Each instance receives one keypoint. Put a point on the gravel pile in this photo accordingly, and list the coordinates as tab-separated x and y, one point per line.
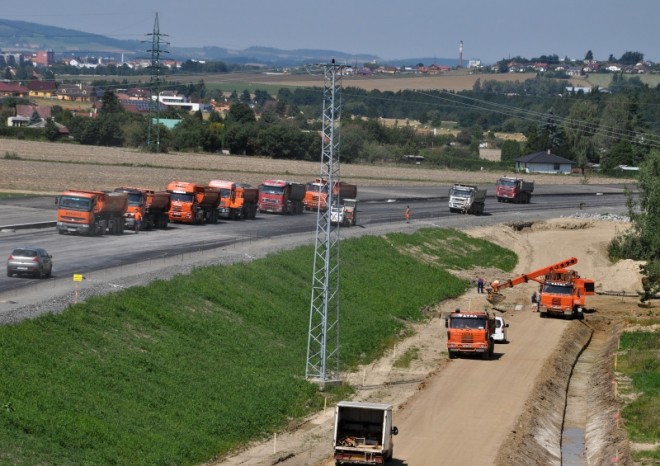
609	217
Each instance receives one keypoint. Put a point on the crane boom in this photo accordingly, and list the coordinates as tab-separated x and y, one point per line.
495	286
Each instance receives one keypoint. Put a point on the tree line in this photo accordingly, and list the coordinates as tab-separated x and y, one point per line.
612	127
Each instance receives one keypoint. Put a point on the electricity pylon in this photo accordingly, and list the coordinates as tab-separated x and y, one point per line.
153	134
323	339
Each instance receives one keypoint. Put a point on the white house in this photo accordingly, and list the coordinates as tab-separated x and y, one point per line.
544	162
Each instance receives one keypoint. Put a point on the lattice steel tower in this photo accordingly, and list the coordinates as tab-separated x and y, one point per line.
323	339
153	134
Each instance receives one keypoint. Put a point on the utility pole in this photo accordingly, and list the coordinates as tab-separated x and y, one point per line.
323	338
153	134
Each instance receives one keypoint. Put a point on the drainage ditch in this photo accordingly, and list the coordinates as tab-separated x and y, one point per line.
573	445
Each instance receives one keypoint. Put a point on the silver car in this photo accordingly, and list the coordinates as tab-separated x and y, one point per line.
30	260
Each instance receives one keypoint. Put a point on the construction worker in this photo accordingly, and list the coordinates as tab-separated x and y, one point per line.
407	214
480	285
137	221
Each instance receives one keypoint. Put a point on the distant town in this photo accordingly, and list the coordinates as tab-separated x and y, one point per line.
40	82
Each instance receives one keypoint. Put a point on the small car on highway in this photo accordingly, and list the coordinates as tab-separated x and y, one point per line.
500	330
30	260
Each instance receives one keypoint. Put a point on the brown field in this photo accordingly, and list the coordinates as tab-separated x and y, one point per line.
452	81
49	168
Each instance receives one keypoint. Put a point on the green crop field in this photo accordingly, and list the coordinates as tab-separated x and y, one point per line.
639	362
604	80
180	371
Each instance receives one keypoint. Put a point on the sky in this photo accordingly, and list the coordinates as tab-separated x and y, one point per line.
491	30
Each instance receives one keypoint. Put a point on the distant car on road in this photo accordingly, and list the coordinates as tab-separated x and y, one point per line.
500	330
30	260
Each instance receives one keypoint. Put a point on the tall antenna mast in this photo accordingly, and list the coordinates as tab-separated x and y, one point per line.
323	339
153	134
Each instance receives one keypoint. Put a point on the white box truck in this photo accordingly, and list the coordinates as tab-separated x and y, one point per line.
363	433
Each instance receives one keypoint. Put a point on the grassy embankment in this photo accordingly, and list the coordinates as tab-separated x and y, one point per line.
182	370
639	362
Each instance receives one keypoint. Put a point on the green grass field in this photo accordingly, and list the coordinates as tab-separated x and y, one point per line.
603	80
180	371
639	361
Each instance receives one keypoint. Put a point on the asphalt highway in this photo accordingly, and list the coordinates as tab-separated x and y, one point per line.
30	221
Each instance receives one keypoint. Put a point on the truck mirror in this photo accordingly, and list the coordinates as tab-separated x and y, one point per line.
57	200
506	325
446	323
395	430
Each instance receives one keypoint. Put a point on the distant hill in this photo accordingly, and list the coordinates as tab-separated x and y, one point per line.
21	36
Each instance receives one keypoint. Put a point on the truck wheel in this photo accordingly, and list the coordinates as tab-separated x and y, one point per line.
452	355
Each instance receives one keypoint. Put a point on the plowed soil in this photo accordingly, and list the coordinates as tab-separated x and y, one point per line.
47	168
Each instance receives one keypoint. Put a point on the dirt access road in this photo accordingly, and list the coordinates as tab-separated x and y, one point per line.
463	411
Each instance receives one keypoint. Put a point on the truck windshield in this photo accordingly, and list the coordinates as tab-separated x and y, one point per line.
134	199
467	322
461	192
225	193
317	187
181	197
557	289
506	183
271	189
82	204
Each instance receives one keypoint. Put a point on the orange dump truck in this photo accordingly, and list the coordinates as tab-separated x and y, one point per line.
470	332
237	200
193	203
281	197
316	193
91	212
153	205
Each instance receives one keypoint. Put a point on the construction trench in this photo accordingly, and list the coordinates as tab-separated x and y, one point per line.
574	418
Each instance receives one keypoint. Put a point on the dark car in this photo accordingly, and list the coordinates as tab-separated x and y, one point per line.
30	260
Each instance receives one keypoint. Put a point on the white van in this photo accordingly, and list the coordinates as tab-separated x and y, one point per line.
500	330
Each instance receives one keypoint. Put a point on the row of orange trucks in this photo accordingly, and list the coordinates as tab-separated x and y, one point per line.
562	293
100	212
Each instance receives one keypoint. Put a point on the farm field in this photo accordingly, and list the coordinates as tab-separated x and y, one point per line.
48	168
454	81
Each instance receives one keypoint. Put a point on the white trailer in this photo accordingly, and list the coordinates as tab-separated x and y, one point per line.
363	433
